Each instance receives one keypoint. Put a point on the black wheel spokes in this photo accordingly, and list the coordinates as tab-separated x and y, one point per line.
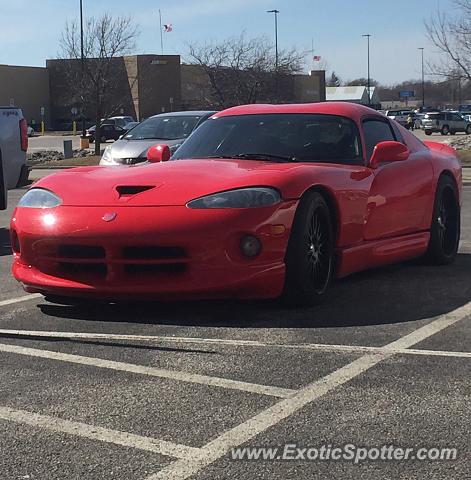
318	260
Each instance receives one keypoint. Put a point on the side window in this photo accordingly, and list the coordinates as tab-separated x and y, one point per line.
376	131
397	133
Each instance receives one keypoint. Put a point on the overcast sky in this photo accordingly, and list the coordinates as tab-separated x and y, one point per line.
30	29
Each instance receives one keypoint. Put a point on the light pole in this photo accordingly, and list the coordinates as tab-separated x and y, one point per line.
423	77
367	35
82	63
275	12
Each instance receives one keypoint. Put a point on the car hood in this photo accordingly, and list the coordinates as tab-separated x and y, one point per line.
137	148
172	183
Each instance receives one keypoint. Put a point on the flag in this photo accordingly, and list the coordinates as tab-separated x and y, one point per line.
316	58
168	28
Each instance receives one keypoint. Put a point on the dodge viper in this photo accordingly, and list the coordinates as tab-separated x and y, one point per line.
261	201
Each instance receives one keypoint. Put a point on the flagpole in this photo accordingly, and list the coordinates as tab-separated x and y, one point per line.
161	33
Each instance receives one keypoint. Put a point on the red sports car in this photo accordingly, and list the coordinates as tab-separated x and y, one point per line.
260	201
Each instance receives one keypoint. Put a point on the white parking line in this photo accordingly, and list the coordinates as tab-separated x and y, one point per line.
219	447
326	347
150	371
93	432
25	298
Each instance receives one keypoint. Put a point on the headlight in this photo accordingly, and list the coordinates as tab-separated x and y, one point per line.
241	198
107	156
39	198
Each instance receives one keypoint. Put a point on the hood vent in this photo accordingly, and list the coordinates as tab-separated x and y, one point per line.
131	190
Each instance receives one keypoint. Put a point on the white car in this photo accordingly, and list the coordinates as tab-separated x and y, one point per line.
399	115
13	147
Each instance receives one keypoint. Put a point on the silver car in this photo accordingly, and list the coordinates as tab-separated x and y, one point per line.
169	128
445	123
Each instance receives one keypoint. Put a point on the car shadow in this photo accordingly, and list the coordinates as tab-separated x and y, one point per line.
395	294
58	339
5	246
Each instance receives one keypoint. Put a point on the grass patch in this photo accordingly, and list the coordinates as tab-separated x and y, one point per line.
71	162
465	157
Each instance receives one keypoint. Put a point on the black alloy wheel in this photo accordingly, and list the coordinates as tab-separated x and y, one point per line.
445	228
310	255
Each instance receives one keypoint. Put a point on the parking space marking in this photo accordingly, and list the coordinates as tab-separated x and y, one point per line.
220	446
151	371
93	432
25	298
327	347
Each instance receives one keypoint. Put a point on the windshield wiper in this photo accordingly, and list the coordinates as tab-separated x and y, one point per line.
257	156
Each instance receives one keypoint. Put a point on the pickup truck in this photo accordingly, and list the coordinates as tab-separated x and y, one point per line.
13	147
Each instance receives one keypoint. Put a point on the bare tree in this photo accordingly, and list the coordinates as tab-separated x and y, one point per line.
334	80
239	70
451	34
105	39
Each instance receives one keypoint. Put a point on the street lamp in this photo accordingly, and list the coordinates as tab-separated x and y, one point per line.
82	62
275	12
423	77
367	35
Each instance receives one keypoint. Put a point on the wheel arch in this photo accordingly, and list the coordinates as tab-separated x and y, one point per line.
329	198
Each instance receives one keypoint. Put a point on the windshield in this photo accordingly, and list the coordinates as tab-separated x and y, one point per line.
164	128
278	137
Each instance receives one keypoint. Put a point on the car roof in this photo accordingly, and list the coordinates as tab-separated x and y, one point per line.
191	113
343	109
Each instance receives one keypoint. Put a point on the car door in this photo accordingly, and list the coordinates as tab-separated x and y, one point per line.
459	125
400	191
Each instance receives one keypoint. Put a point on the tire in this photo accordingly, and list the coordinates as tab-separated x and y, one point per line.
103	139
468	130
3	187
310	254
428	132
91	140
446	224
445	130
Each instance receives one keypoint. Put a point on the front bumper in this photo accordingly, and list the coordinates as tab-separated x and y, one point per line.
150	252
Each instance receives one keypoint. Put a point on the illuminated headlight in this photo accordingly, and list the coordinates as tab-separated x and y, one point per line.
241	198
39	198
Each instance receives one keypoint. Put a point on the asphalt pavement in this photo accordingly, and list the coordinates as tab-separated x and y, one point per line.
166	390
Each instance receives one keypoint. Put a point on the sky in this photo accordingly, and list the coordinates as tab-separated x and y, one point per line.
30	29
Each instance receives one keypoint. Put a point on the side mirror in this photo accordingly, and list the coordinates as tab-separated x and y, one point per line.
386	152
158	153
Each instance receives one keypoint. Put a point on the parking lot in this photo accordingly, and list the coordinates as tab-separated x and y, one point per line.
165	391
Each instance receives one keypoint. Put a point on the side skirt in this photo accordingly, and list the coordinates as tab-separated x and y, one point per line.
381	252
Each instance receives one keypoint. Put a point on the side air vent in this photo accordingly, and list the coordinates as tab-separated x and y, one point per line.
130	190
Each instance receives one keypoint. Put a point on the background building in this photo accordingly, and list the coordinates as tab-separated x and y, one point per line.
139	86
28	88
353	94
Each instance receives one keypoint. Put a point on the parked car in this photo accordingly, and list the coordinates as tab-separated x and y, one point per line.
108	131
119	121
445	123
399	115
13	147
169	128
260	201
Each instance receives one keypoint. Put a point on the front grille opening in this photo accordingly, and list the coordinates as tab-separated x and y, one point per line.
80	251
153	253
149	269
98	269
129	190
